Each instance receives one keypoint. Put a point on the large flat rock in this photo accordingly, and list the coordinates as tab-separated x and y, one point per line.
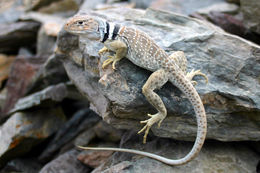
232	64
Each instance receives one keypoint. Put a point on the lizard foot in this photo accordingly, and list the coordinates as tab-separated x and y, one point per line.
103	50
193	73
111	59
159	117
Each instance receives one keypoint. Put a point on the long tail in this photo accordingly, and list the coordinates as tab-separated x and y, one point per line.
187	88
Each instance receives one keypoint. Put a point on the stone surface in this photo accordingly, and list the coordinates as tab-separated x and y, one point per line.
66	163
94	158
28	165
84	138
10	10
15	35
23	130
178	6
54	93
36	4
51	73
232	64
45	43
82	120
105	132
63	6
230	23
222	7
251	13
5	67
23	68
215	157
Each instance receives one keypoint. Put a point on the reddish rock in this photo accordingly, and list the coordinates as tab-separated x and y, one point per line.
94	158
22	72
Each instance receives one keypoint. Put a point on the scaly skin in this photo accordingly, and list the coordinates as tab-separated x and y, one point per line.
141	50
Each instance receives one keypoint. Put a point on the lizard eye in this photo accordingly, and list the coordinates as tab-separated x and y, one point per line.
80	22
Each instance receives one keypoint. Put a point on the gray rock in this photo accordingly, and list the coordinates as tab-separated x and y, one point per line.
23	130
28	165
10	10
45	43
214	157
178	6
82	120
15	35
231	99
91	4
251	13
84	138
51	73
106	132
65	163
222	7
54	93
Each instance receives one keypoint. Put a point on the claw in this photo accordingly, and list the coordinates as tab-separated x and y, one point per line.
159	117
193	73
108	61
103	50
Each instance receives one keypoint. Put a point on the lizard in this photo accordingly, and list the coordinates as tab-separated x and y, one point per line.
141	50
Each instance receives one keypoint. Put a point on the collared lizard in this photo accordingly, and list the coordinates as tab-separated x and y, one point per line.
141	50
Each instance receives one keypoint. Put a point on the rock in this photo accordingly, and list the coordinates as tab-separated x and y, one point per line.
23	130
120	167
94	158
91	4
222	7
230	62
214	156
28	165
83	119
51	73
84	138
36	4
141	3
233	25
251	13
66	163
54	93
115	5
23	68
64	6
234	1
45	43
50	23
5	66
3	94
15	35
177	6
10	11
105	132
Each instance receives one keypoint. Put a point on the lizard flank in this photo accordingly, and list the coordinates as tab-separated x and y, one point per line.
141	50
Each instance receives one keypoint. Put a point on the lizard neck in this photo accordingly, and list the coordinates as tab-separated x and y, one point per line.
108	30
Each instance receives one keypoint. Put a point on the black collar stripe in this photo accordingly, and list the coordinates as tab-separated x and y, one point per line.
106	33
115	32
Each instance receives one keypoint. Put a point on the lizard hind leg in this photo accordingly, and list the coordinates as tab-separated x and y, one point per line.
180	59
155	81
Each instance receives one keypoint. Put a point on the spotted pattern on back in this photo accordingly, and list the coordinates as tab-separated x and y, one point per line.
143	51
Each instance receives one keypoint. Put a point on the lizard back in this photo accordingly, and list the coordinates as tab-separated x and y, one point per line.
142	50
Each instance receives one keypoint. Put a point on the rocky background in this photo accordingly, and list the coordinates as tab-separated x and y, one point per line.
55	95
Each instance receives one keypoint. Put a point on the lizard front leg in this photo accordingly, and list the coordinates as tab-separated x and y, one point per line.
103	50
155	81
180	59
120	48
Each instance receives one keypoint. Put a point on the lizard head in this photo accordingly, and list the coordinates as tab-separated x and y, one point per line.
82	25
